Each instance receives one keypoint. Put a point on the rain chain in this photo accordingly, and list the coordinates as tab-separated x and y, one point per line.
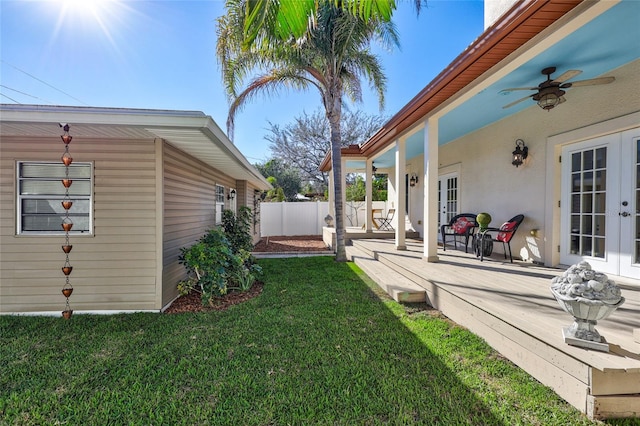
67	223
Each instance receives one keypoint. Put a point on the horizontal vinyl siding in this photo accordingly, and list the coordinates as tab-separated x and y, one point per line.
114	269
189	200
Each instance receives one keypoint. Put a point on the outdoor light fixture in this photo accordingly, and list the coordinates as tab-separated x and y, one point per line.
546	101
520	154
232	195
414	180
373	169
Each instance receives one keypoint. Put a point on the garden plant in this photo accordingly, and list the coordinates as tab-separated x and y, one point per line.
221	260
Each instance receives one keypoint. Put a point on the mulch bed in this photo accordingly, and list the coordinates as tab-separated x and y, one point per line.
299	243
193	303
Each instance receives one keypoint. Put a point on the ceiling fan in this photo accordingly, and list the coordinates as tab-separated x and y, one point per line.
550	92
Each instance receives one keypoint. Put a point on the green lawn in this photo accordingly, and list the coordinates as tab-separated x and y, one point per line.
320	345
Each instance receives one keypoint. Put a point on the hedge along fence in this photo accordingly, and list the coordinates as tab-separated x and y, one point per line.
307	218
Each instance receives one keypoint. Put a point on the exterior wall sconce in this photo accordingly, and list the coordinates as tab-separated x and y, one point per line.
373	169
414	180
520	154
232	195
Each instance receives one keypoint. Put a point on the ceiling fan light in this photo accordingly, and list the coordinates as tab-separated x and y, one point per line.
548	101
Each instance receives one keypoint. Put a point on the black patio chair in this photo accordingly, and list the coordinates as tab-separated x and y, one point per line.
462	225
385	222
506	232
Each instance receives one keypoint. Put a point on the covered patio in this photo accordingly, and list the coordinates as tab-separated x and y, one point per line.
511	307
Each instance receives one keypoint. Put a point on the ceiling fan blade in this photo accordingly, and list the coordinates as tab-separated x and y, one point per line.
590	82
511	89
566	76
517	102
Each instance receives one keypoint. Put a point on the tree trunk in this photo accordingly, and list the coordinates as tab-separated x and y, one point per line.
334	112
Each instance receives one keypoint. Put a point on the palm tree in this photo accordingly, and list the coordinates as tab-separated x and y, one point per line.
332	57
293	18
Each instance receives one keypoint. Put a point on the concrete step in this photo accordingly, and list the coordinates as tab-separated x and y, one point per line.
398	287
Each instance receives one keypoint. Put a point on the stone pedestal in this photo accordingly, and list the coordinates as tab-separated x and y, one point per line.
588	296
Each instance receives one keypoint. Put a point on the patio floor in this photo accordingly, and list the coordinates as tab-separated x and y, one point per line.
512	308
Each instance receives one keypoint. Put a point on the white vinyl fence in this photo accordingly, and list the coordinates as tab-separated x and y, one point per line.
307	218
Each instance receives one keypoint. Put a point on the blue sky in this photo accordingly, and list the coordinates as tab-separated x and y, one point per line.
161	55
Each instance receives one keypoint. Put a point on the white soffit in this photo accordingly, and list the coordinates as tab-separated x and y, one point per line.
191	132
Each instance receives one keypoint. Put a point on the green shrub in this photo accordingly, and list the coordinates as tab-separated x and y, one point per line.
221	260
237	229
213	262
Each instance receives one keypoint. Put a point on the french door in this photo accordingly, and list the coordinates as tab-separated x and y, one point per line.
600	222
448	195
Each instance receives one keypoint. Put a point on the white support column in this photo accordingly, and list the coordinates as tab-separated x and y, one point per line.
430	180
368	195
401	189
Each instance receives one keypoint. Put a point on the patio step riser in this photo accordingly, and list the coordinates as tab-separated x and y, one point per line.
397	287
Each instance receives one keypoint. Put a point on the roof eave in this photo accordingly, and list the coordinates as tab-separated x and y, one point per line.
139	118
502	39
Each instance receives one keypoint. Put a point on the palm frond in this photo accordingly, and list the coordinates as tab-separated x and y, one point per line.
267	85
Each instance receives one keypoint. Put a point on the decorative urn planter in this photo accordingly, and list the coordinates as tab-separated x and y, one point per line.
483	219
589	296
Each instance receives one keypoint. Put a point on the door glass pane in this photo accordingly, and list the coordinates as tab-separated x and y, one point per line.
575	162
601	158
587	203
586	246
599	223
587	181
575	245
587	224
599	205
587	160
598	247
575	223
575	182
601	180
588	187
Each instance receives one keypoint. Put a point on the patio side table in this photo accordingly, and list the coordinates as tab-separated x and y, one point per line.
483	242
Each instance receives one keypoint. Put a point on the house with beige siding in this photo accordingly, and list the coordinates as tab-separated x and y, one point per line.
145	184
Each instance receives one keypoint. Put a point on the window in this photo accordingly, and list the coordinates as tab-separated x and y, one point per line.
219	203
40	194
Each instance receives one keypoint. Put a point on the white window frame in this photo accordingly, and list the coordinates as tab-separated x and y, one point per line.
219	202
54	197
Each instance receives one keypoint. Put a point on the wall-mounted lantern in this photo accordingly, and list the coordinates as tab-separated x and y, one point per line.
232	195
414	180
520	154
